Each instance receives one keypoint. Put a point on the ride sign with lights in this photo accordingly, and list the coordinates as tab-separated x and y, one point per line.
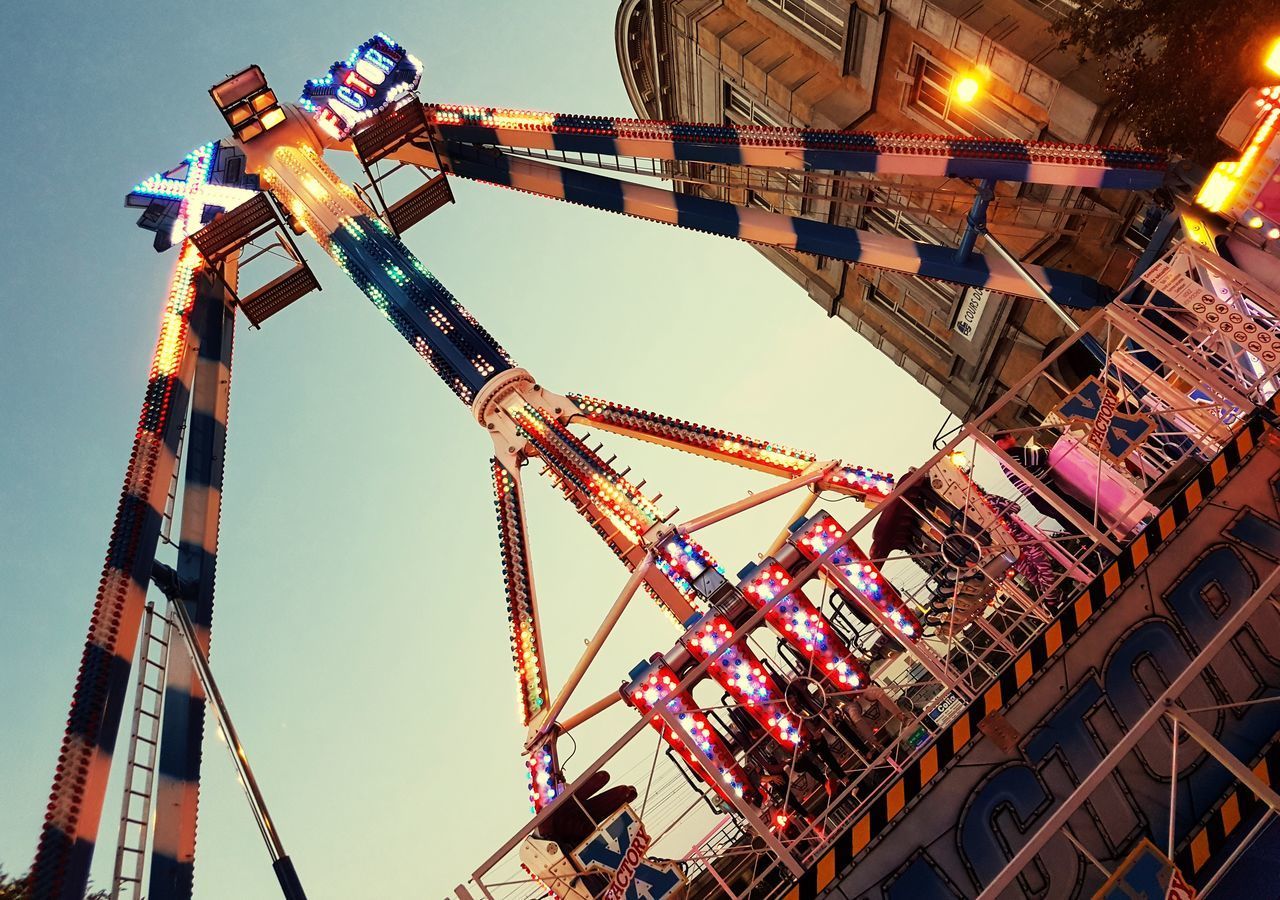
617	849
377	75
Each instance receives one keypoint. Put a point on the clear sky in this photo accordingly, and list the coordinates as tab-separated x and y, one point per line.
360	635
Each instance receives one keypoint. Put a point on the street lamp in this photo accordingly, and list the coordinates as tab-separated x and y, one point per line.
965	88
1273	57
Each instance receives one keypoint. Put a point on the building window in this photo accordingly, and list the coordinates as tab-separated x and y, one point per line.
931	87
824	20
899	309
856	47
781	192
776	191
930	95
740	108
1059	9
880	216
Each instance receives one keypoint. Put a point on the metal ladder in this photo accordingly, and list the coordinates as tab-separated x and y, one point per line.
171	498
144	748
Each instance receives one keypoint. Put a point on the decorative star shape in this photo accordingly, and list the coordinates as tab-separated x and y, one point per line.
181	201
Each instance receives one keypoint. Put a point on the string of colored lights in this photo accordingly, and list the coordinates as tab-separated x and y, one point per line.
817	535
429	317
626	507
682	560
601	525
859	482
374	75
657	684
802	626
716	443
694	438
482	347
803	148
744	677
194	196
517	579
544	777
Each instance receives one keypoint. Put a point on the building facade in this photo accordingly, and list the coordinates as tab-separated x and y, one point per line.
889	65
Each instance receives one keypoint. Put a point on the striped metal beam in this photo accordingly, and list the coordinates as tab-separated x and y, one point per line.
1221	827
757	226
67	839
182	732
803	148
430	318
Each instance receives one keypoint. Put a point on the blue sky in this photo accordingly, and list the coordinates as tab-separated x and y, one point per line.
359	629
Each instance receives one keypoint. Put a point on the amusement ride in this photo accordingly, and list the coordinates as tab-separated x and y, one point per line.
833	661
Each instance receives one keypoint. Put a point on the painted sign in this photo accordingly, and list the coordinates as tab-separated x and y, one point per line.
377	75
972	305
1110	433
958	829
1146	873
617	850
1215	314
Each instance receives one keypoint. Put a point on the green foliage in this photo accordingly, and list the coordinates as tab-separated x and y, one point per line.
1176	67
16	889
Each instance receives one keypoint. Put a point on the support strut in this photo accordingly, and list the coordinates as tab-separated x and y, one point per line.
167	580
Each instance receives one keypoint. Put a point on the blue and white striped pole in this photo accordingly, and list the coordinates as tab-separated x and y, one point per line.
880	153
758	226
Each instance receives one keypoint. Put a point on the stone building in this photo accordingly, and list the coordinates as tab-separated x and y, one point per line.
889	65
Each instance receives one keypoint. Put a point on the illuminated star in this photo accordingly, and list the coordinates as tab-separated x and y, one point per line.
184	199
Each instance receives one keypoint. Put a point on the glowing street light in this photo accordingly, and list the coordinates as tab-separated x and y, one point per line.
1273	57
965	88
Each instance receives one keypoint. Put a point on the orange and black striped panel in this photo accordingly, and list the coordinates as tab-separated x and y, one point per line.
1239	805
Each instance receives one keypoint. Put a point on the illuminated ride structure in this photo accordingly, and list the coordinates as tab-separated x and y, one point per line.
802	693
